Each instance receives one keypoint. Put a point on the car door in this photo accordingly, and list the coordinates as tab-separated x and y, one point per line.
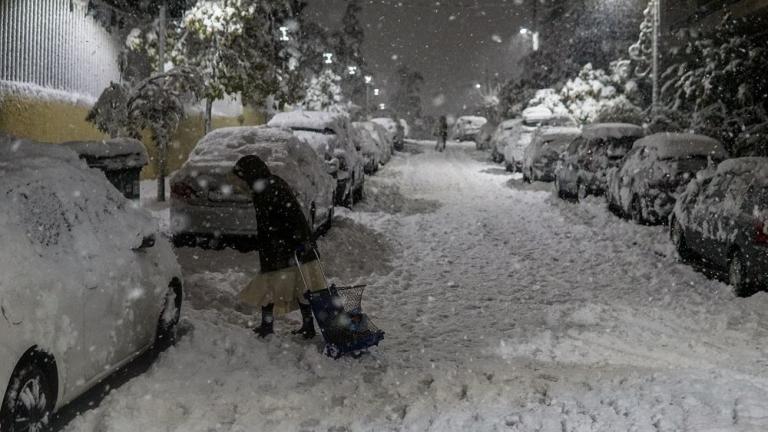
113	283
709	217
49	310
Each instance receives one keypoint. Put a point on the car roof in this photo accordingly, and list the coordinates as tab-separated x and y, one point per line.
676	145
612	130
226	145
312	120
756	166
558	133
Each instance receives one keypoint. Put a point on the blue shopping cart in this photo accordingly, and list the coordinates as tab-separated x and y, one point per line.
338	311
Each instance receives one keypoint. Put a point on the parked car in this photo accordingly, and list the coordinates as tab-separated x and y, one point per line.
656	171
722	219
546	151
589	158
121	160
466	128
505	133
518	135
329	135
396	134
209	204
87	283
483	137
365	142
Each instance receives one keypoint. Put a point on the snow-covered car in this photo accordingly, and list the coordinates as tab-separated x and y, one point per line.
209	203
373	144
121	160
466	128
381	138
546	151
406	128
590	158
656	171
504	133
722	219
396	133
329	136
87	283
483	137
518	134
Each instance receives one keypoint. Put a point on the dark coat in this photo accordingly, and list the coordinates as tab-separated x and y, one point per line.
282	227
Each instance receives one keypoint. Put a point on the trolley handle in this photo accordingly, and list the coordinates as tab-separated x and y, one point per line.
301	272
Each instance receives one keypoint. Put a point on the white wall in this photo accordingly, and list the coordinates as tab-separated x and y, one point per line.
53	44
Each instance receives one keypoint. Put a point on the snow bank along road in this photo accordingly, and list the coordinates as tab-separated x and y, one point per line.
505	310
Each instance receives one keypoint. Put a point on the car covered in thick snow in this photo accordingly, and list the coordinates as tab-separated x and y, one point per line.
209	203
722	219
330	137
590	158
546	150
466	128
87	283
484	136
395	132
366	141
656	171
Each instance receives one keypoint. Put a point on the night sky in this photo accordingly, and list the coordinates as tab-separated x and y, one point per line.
451	42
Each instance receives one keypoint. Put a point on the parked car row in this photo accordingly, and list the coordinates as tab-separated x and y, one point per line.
322	155
716	207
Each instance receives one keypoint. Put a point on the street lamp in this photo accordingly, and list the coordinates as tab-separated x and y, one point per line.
284	34
368	79
382	106
352	70
328	58
534	37
376	92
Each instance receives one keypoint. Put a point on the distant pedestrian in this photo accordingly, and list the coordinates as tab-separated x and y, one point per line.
441	132
283	234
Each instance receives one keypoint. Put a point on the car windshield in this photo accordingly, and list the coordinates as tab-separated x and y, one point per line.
690	164
619	147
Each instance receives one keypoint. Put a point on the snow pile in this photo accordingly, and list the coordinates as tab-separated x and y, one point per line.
680	145
36	92
113	154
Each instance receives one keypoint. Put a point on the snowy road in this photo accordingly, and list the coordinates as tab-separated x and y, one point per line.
505	309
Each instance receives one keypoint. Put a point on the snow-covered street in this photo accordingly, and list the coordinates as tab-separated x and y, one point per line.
505	309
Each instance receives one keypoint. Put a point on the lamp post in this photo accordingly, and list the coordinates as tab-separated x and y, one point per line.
368	82
655	63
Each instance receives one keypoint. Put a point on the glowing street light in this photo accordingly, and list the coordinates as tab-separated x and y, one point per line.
382	106
524	31
376	92
478	86
352	70
328	58
284	34
368	79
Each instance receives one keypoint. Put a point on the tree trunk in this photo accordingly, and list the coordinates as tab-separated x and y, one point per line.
162	165
207	120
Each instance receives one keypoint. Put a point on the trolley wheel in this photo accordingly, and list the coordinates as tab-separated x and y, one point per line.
358	354
332	351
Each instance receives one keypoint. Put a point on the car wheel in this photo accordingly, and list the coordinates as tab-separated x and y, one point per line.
28	402
636	211
737	276
169	317
677	235
581	192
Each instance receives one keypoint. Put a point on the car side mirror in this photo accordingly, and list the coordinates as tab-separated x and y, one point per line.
146	243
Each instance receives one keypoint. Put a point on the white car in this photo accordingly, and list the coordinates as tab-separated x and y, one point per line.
376	141
86	282
209	203
467	127
395	132
329	135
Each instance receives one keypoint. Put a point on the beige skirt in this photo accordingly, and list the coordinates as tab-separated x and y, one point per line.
284	288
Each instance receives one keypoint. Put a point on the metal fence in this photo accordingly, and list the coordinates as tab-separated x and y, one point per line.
54	44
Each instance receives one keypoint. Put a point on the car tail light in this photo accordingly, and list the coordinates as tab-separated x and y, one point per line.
761	232
182	190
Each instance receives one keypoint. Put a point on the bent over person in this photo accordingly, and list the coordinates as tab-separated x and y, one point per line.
283	236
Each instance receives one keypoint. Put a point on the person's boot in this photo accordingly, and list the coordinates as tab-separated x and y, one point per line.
307	329
267	326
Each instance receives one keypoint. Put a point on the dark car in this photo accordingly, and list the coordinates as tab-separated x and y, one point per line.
590	158
546	151
722	220
656	171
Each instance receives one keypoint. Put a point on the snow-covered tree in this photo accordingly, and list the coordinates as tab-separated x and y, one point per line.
406	98
324	92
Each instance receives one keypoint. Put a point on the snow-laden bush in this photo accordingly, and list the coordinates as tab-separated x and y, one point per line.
619	110
549	99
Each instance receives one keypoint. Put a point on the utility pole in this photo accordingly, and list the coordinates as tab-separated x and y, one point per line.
162	146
